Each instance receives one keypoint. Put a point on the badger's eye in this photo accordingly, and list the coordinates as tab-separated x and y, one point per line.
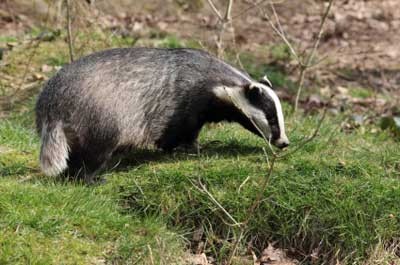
253	94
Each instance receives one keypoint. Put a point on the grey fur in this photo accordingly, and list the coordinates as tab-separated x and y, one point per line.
134	97
54	150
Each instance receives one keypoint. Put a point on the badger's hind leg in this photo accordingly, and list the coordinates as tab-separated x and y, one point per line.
85	163
89	155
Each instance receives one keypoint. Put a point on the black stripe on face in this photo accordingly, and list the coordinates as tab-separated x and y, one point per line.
260	99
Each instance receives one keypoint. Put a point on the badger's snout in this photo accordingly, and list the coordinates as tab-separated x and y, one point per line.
282	143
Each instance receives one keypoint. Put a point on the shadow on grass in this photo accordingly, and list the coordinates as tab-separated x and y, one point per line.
128	160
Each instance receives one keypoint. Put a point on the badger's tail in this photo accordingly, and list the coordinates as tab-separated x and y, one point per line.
54	150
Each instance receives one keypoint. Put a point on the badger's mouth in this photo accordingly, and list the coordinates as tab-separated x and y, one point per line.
281	143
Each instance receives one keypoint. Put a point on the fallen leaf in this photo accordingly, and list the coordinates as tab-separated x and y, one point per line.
342	90
197	259
358	119
39	77
274	256
46	68
11	44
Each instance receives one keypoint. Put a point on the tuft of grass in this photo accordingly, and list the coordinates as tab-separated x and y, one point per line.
353	175
279	52
343	176
5	39
359	92
172	42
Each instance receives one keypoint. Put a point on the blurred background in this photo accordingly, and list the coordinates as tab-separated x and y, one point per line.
356	58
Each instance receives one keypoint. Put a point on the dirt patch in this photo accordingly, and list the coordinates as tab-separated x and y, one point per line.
360	41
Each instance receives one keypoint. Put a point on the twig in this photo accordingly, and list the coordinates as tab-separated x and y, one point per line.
254	5
151	254
320	32
203	189
235	246
69	31
243	183
252	208
228	11
281	33
309	139
214	8
305	66
223	21
277	29
275	157
34	44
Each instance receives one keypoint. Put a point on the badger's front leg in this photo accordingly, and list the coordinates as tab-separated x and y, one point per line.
183	136
191	148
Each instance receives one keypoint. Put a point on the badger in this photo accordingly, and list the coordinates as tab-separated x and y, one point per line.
145	98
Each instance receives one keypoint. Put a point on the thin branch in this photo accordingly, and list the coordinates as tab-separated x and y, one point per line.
214	8
309	139
203	189
151	254
300	83
69	31
222	22
279	31
282	34
311	55
260	194
34	44
250	212
320	32
275	157
228	11
235	246
254	5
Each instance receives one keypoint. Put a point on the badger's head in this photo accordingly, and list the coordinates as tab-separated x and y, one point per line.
260	104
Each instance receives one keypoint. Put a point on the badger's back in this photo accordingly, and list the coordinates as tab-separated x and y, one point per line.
137	90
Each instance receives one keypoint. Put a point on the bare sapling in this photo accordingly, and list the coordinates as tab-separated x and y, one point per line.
224	23
304	62
69	31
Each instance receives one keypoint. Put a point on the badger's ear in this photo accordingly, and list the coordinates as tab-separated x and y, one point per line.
264	80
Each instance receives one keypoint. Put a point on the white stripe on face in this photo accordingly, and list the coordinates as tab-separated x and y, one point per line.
278	108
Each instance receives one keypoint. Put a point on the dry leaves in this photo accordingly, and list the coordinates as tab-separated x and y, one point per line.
197	259
273	256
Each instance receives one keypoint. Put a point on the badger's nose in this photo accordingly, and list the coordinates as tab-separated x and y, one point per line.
282	143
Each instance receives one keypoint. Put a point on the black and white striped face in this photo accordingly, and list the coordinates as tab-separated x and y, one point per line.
267	112
261	104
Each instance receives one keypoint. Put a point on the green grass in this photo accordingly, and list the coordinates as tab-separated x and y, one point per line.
340	192
358	92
